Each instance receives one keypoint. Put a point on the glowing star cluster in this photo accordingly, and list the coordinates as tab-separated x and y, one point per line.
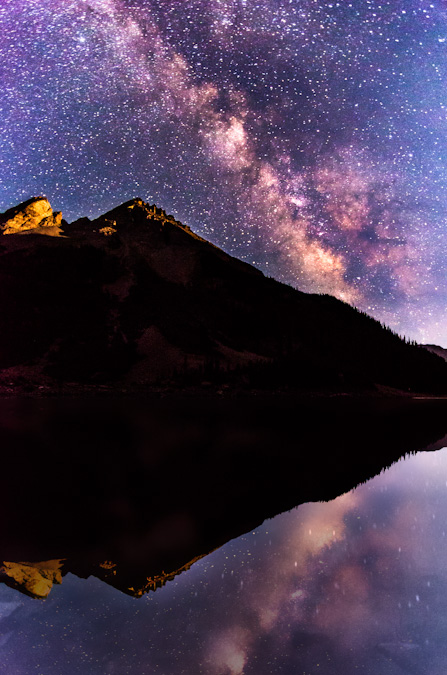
308	138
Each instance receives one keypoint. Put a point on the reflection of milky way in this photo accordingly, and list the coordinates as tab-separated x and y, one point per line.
355	585
309	138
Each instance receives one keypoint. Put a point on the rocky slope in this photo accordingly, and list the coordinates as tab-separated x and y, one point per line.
135	300
34	215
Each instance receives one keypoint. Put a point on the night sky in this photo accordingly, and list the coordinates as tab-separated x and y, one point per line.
356	585
306	137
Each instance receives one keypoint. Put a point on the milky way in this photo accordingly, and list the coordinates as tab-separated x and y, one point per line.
308	138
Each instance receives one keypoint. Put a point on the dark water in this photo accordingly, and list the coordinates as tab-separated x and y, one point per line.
355	585
154	483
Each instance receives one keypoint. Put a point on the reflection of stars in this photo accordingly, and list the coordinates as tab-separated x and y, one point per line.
307	138
276	600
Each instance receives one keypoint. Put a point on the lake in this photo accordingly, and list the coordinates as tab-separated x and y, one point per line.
356	584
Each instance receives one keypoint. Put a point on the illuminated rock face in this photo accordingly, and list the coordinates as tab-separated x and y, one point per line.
35	579
34	214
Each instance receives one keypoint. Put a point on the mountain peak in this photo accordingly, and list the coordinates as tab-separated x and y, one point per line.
141	211
35	215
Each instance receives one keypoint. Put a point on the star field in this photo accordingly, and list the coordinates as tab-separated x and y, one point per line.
308	138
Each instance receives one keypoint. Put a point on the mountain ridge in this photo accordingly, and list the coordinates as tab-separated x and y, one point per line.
134	299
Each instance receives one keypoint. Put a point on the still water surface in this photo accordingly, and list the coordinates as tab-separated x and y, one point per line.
355	585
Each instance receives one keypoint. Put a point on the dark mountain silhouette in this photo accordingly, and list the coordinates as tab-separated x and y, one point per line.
133	490
436	349
134	299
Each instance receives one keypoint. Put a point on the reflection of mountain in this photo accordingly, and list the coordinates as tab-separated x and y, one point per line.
135	298
36	579
152	484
